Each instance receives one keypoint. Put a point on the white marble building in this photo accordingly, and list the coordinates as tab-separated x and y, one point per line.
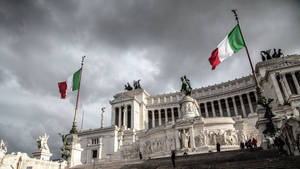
225	113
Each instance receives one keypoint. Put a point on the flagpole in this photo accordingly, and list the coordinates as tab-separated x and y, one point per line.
258	89
74	126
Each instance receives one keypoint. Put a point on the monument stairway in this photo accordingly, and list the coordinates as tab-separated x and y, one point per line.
259	159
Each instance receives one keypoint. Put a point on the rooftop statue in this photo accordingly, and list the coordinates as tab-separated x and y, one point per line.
42	142
136	84
186	86
266	55
128	87
3	146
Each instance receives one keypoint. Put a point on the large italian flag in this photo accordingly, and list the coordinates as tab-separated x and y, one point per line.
71	84
232	43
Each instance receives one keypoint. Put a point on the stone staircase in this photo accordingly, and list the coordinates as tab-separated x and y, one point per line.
259	159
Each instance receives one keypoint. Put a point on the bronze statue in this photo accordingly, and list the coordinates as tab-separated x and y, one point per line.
265	103
65	150
186	86
128	87
266	55
136	84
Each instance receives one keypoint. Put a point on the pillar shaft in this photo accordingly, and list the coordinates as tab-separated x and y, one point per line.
220	108
213	108
296	82
206	111
153	119
227	107
286	85
120	114
234	106
166	116
173	117
243	106
250	103
277	89
159	117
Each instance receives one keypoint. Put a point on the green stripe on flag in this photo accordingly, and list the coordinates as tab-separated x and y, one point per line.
76	80
235	39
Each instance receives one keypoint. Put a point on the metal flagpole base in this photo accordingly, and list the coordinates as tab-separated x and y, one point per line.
74	129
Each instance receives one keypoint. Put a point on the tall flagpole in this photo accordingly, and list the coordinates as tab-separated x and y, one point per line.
74	126
258	89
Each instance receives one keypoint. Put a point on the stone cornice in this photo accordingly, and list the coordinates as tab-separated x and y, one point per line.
279	66
229	93
277	63
96	131
163	105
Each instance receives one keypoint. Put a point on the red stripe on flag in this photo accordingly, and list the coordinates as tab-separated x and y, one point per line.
62	89
214	59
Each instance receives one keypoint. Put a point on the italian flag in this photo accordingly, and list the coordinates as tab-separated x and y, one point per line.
71	84
232	43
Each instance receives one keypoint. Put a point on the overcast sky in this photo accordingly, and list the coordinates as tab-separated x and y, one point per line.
41	43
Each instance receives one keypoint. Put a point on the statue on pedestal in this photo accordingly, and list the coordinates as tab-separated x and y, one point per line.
42	143
3	148
186	87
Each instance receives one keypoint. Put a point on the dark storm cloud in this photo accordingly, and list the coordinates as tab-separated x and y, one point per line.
41	43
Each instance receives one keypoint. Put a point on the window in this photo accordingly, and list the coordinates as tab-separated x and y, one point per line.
94	153
95	140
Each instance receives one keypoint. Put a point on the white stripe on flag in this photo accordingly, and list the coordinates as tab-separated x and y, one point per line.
224	49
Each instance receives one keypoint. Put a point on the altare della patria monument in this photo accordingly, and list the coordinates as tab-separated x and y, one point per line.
191	121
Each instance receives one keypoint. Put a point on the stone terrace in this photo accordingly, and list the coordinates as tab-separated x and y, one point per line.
225	160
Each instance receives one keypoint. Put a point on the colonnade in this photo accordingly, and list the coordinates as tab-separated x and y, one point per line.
286	84
123	116
158	117
235	105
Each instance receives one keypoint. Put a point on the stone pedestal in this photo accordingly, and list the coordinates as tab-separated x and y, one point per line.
42	155
262	123
43	152
75	150
188	107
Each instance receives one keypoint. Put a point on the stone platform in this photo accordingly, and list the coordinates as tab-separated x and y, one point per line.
260	159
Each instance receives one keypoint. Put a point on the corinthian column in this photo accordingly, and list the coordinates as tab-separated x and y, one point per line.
277	89
243	106
173	117
206	111
153	119
234	106
159	117
125	117
286	84
227	107
220	108
296	82
250	103
213	108
166	116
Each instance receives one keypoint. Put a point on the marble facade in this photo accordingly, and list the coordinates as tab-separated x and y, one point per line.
225	113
